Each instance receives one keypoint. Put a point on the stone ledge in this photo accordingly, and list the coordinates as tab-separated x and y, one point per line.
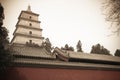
62	64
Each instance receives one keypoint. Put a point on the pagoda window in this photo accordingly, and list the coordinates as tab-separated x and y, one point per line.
30	41
30	17
30	24
30	32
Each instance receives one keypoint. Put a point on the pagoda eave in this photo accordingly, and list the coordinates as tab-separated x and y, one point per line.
28	27
29	20
30	13
32	36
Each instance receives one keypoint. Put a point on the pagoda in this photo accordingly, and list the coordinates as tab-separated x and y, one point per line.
28	28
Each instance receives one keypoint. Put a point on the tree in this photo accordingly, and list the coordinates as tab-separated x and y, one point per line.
1	15
67	48
5	56
48	45
71	48
79	46
117	52
112	11
98	49
93	49
62	48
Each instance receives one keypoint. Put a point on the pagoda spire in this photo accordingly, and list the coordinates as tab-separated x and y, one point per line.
29	8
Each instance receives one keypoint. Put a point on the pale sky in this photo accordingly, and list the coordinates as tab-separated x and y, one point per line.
66	22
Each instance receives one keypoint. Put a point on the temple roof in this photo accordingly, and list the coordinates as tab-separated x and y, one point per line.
63	64
24	50
85	57
39	57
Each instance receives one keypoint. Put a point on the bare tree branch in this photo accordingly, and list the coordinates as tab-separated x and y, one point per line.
112	12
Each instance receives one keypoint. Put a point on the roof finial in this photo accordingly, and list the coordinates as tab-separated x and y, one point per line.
29	8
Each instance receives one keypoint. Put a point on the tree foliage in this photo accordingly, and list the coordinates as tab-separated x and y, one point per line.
98	49
112	11
67	47
79	46
71	48
117	52
47	44
1	15
5	56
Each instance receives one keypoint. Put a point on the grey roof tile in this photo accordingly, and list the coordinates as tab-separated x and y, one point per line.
32	51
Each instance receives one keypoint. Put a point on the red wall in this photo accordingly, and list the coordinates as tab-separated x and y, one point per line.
24	73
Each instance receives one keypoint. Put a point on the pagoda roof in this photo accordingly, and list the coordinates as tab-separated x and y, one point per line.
29	12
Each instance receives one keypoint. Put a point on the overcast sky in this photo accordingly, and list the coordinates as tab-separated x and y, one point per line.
66	21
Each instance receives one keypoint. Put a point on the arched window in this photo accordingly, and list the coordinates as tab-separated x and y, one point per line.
30	17
30	24
30	41
30	32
